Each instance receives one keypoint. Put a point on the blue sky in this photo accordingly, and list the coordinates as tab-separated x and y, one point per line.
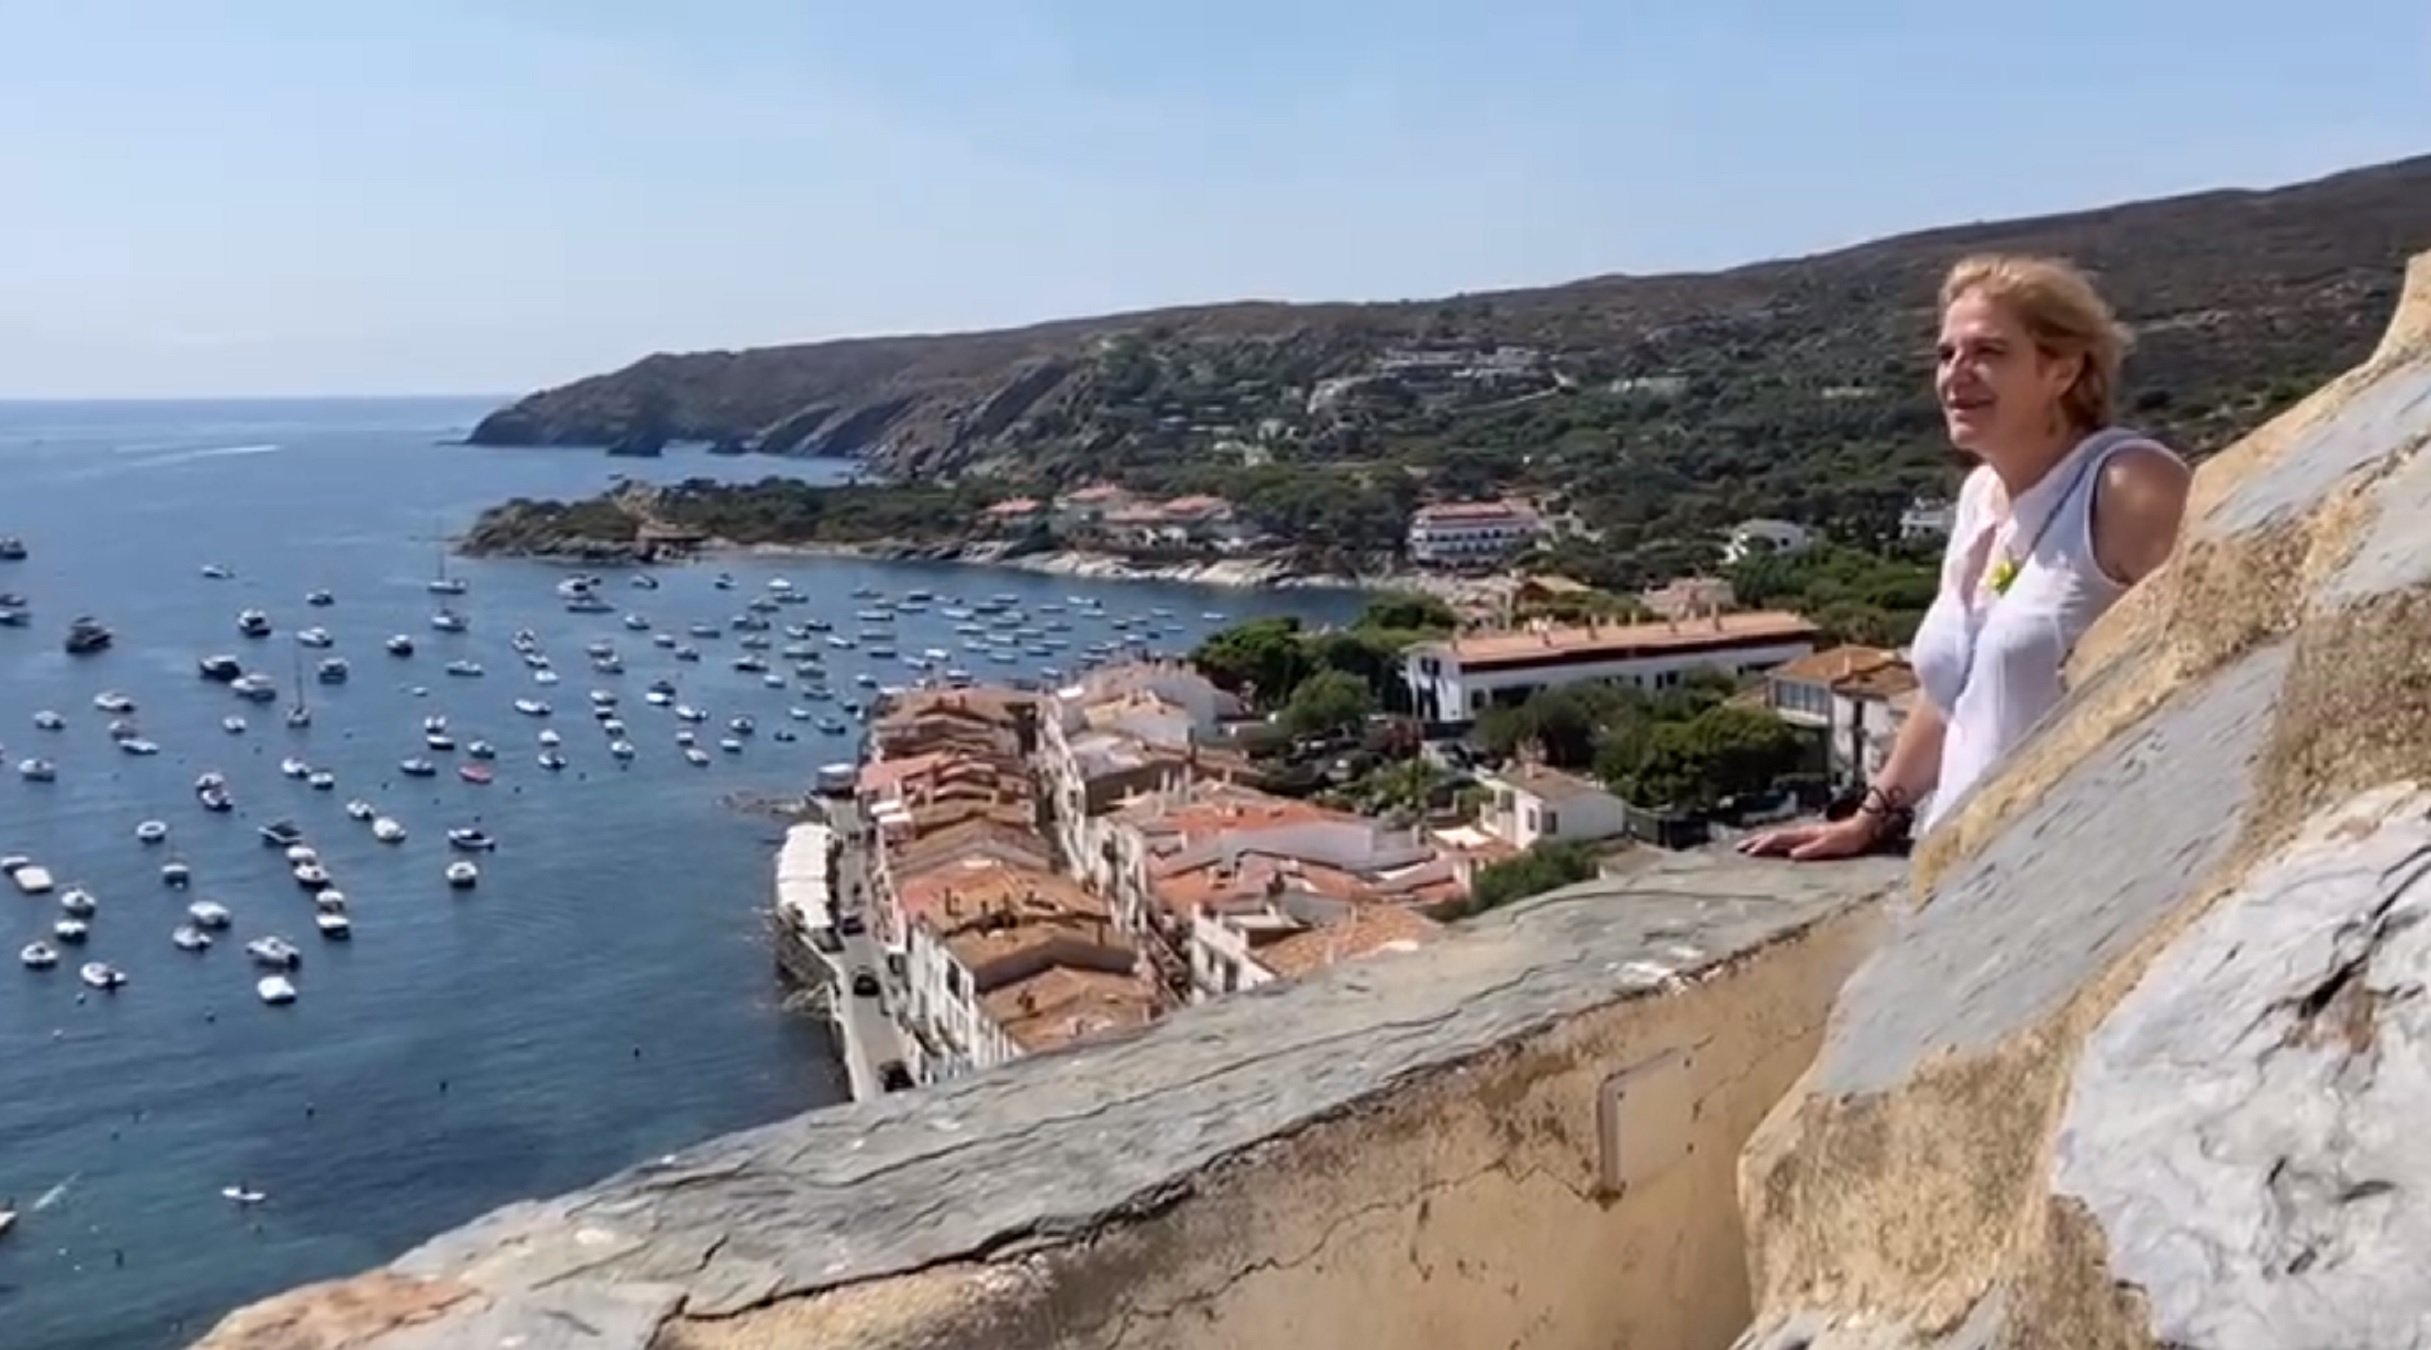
300	196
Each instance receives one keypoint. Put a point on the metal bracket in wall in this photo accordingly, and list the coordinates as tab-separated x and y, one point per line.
1645	1120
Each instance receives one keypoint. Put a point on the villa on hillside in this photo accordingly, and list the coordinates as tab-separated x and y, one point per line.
1109	516
1471	534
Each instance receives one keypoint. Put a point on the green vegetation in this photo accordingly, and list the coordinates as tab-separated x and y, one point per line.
790	511
1328	703
1647	413
1852	594
1264	660
1684	748
1548	864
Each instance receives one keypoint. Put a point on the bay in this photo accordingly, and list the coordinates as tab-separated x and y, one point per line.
604	996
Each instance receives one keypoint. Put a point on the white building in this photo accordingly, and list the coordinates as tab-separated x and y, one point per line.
1856	696
1926	518
1749	538
1456	534
1455	679
1533	803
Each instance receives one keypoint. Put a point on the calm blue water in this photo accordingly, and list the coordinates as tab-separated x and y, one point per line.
604	996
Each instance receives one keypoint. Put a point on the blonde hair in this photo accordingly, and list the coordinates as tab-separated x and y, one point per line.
2063	313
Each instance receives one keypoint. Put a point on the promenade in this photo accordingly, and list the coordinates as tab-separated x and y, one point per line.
812	896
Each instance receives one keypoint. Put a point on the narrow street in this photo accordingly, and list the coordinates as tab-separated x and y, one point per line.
869	1035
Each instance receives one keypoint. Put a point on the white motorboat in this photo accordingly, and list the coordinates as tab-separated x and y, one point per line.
208	914
78	901
71	930
435	722
319	599
663	641
101	975
637	623
311	876
274	952
741	725
481	750
293	767
800	713
550	739
215	799
187	937
545	676
687	653
322	780
239	1194
603	698
686	738
658	698
399	644
531	707
387	831
438	740
333	670
232	724
111	701
448	621
464	668
38	956
254	688
612	726
137	745
696	757
333	925
359	809
417	767
176	875
313	637
301	853
471	839
151	831
621	749
552	761
277	991
216	572
47	720
219	667
731	745
329	898
462	875
685	712
253	624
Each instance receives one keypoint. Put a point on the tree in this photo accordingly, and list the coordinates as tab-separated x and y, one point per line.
1547	865
1326	702
1408	611
1260	659
1721	752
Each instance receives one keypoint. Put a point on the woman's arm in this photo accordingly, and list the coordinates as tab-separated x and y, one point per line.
1908	773
2138	503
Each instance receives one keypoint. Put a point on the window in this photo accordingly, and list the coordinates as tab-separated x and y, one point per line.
1552	822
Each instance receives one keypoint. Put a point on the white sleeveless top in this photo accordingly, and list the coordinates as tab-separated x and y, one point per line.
1991	663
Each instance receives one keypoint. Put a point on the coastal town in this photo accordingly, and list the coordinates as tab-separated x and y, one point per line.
1008	870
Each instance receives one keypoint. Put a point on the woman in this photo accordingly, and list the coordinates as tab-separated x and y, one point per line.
2062	514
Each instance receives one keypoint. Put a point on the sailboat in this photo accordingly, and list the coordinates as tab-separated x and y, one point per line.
442	583
301	714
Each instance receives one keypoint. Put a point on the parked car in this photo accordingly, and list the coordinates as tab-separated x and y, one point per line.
851	925
865	983
825	940
893	1077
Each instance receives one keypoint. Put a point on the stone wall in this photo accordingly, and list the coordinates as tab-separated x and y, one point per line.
2145	1062
1407	1152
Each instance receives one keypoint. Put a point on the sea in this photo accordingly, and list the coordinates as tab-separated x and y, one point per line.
605	995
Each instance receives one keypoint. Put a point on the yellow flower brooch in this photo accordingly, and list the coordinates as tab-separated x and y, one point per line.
2004	575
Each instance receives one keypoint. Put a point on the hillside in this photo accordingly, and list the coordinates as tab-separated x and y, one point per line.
1648	406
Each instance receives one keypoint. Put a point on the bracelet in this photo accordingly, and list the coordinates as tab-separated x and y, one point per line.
1890	809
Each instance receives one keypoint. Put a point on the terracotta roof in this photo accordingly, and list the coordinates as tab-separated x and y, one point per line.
1551	784
1622	641
1061	1004
1833	664
1198	504
881	776
1096	492
1887	681
1369	930
1018	506
959	891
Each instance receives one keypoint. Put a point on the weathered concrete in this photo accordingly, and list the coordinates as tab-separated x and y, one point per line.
2141	1065
1402	1153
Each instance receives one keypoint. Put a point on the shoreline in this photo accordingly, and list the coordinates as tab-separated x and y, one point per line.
1225	573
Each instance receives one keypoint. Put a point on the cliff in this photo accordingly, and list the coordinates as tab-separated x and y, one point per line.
2243	299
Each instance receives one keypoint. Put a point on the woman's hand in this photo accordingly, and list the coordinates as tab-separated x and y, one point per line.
1815	841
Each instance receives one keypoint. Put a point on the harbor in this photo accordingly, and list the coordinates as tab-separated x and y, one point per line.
601	994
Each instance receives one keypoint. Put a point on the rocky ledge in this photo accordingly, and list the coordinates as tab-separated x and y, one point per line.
2145	1064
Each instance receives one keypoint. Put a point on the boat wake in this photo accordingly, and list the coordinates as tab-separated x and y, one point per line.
212	452
55	1194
